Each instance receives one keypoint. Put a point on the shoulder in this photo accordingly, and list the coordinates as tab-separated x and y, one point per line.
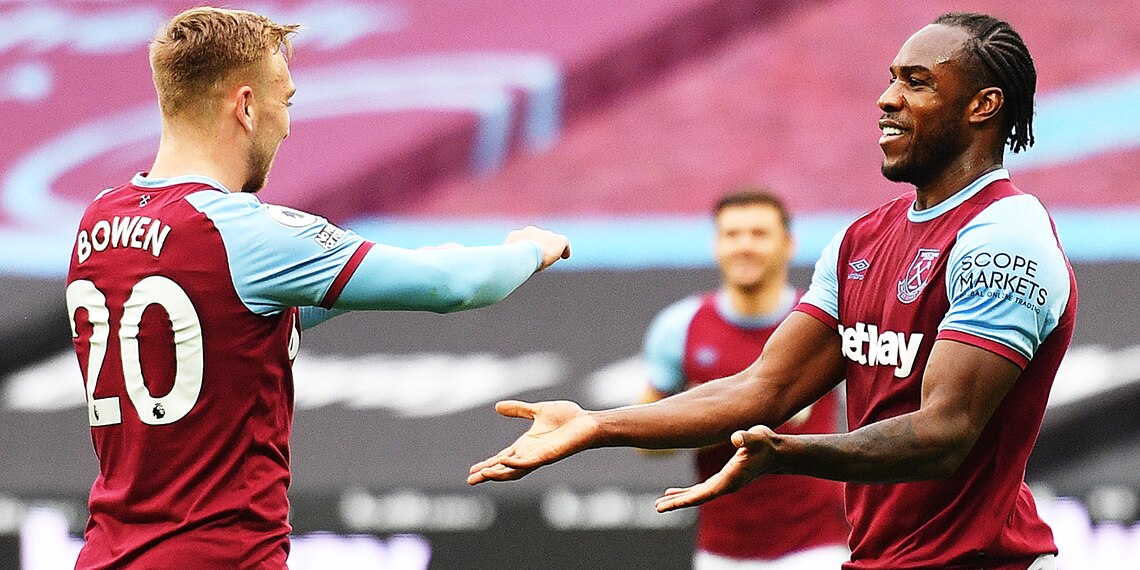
675	318
682	311
1012	235
244	212
212	200
1018	219
1008	280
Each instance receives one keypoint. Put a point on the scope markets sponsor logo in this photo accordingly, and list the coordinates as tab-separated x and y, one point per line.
1004	276
867	345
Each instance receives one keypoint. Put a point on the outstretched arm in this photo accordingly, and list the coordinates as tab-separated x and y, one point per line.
281	258
801	363
449	279
962	386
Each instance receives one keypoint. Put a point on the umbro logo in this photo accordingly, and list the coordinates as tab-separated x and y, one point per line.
857	268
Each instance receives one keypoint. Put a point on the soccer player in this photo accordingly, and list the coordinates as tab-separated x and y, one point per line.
947	310
187	297
783	521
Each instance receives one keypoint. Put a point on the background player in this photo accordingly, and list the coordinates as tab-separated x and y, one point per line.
782	521
947	310
183	292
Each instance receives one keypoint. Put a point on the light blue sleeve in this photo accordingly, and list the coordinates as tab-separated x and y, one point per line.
1007	279
438	280
313	316
824	289
664	347
278	257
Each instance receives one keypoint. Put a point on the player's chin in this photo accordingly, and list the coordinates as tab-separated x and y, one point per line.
897	169
750	278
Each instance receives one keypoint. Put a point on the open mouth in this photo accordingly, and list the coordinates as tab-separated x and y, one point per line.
890	133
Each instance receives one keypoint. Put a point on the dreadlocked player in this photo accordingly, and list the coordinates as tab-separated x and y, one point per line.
947	310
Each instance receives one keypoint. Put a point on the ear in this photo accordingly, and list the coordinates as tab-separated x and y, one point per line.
243	107
985	105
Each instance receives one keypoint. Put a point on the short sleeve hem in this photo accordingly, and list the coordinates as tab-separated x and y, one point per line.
986	344
818	313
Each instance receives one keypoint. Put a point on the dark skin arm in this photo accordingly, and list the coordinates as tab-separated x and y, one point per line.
801	363
962	386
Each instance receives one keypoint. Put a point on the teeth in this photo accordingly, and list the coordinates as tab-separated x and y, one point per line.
889	131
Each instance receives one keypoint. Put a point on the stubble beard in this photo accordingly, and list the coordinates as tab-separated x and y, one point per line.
924	163
259	166
929	157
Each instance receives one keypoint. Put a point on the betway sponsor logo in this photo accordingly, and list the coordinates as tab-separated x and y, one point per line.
867	345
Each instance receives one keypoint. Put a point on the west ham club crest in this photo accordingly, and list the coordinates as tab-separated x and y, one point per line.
917	275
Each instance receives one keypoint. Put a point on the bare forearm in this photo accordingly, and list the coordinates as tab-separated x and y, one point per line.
801	362
888	451
705	415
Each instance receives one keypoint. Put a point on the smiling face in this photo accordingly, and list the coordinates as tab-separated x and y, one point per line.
753	247
924	126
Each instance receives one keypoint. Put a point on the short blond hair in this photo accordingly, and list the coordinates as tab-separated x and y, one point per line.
198	50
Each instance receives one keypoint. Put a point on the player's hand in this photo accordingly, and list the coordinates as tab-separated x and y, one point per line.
560	429
554	246
755	456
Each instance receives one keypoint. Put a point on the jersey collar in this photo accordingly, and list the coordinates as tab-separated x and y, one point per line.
961	196
142	181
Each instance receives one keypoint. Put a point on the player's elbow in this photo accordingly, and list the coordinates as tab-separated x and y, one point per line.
944	464
462	295
450	300
948	443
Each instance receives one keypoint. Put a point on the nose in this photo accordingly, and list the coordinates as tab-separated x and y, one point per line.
891	99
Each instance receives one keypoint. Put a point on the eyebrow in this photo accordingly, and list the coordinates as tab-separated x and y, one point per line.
911	69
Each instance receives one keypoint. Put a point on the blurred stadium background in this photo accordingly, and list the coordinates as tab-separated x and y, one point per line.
420	122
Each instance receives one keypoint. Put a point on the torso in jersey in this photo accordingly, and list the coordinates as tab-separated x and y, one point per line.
187	358
983	268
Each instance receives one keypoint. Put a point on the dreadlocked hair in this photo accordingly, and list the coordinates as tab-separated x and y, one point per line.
997	56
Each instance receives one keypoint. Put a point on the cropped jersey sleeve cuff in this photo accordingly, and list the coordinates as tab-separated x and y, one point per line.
818	313
345	274
986	344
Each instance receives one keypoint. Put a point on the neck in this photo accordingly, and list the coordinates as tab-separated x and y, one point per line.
759	300
186	150
954	178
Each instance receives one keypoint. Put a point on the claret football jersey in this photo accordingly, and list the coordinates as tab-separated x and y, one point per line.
985	268
181	298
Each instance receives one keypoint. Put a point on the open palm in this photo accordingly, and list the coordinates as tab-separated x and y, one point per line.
560	429
753	458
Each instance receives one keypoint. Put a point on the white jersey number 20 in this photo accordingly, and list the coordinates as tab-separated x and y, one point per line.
153	290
